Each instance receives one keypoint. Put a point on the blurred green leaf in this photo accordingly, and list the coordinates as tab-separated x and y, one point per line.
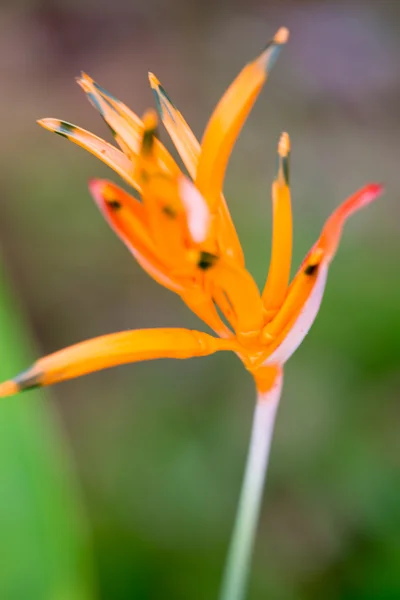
43	542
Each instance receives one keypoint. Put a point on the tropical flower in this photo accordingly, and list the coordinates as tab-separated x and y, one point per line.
182	234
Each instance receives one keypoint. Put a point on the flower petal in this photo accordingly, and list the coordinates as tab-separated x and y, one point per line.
290	326
189	150
332	231
241	293
281	255
107	153
182	136
197	211
125	126
228	118
301	308
203	306
127	217
111	350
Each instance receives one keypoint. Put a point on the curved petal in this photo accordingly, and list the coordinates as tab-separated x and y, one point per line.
287	330
332	231
182	136
111	350
228	118
281	254
189	150
127	217
125	126
107	153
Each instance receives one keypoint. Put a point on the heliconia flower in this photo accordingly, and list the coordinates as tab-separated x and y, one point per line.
180	230
181	233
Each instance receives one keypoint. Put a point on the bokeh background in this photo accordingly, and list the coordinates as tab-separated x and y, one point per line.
156	450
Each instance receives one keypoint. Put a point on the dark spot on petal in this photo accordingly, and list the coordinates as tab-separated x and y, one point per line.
206	260
311	269
65	129
114	204
169	212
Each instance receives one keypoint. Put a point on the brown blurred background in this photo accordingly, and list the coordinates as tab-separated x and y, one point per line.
160	447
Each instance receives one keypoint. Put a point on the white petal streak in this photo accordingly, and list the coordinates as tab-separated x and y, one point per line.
198	213
304	321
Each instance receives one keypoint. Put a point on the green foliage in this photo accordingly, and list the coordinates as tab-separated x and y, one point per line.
43	539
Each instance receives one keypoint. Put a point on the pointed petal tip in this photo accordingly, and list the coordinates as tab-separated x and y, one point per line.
284	144
85	82
83	77
268	57
8	388
154	82
46	122
281	36
375	189
365	196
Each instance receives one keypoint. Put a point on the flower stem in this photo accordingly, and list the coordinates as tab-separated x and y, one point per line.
238	563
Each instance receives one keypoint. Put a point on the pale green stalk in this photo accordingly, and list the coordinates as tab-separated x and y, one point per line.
241	549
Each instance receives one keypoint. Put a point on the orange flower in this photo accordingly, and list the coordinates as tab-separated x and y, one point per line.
181	233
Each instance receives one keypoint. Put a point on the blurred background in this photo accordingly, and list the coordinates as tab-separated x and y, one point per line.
156	450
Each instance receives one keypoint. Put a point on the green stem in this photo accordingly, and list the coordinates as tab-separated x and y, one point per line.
238	563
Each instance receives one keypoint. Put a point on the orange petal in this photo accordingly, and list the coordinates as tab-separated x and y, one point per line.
110	155
114	349
242	295
229	117
189	150
203	306
287	330
182	136
127	217
125	126
331	233
281	255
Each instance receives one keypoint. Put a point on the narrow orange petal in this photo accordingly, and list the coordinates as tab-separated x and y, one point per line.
242	294
287	330
125	126
107	153
189	150
331	233
114	349
281	255
229	117
182	136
